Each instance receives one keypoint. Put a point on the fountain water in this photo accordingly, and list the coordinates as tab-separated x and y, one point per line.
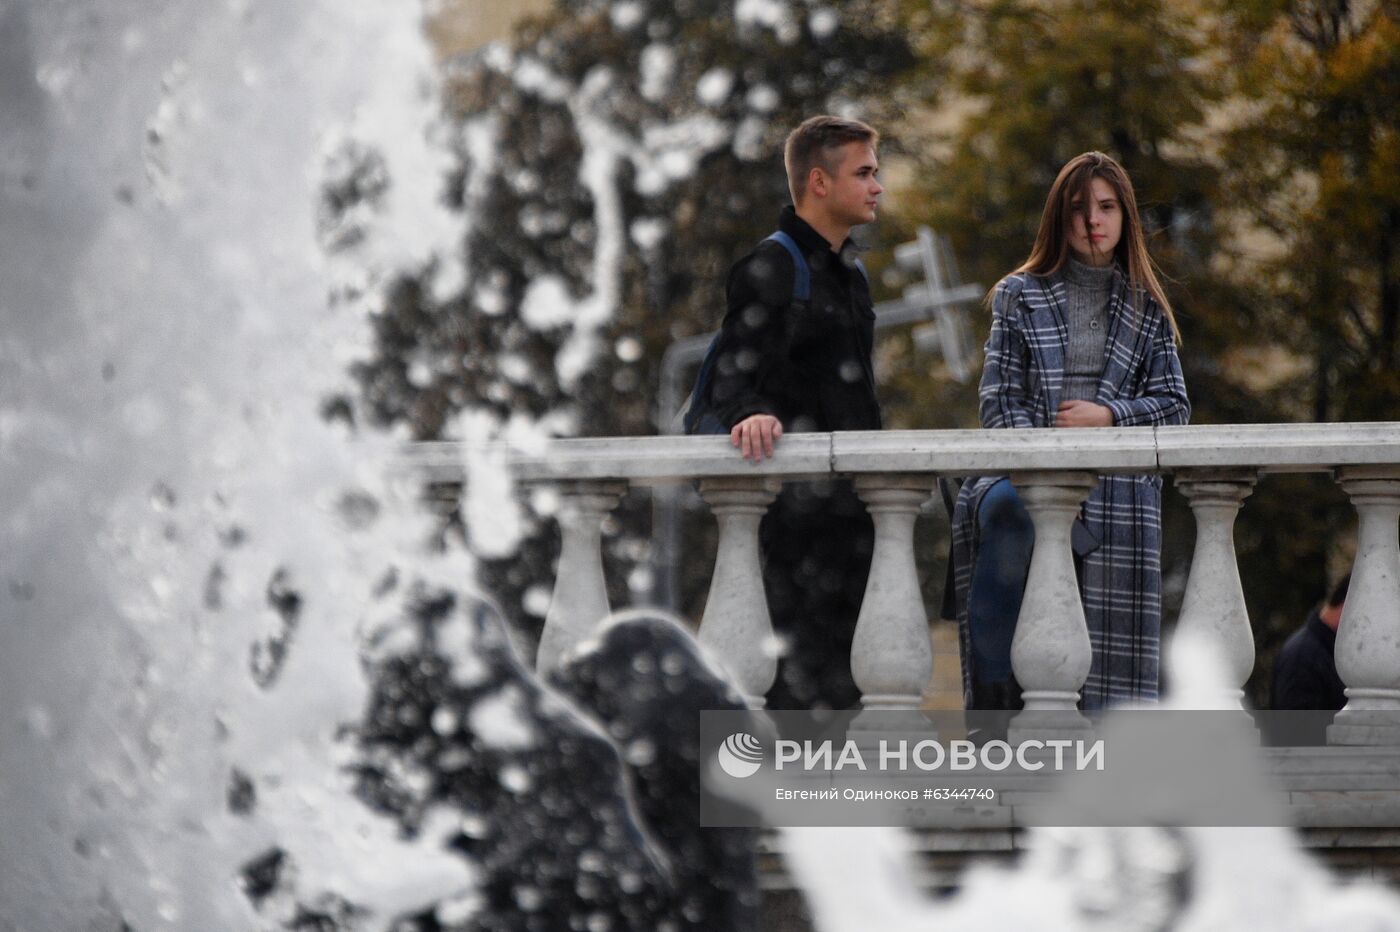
1151	875
191	552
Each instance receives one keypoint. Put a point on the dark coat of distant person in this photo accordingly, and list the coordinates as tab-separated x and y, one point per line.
1305	672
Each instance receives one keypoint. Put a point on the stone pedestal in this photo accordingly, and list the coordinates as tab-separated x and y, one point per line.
580	597
1368	636
892	654
736	626
1213	612
1051	653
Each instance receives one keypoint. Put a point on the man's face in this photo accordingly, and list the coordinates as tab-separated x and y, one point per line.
854	189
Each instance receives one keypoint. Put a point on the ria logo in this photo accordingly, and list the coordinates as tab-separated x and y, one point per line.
740	755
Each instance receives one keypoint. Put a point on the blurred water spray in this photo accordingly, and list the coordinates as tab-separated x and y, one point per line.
1152	876
190	552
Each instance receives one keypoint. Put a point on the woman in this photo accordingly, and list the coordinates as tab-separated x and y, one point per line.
1082	336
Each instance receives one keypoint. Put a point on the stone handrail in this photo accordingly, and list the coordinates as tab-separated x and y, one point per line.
1215	467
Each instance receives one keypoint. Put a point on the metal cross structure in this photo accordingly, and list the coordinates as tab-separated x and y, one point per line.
939	292
932	302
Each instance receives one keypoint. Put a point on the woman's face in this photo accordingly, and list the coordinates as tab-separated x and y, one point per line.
1095	241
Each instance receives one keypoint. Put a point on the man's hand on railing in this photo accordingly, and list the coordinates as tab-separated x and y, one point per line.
755	435
1083	414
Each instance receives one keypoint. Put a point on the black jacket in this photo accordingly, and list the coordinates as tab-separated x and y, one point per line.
806	363
1305	673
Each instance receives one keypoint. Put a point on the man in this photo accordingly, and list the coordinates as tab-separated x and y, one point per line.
790	365
1305	673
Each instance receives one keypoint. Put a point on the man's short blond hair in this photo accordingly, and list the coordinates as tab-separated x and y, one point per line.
815	144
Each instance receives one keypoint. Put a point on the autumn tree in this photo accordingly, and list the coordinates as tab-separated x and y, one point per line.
1315	175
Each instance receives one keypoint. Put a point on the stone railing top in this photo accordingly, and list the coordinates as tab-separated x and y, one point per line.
1258	447
990	452
1280	447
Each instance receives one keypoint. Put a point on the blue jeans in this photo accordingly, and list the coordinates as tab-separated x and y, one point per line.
1006	537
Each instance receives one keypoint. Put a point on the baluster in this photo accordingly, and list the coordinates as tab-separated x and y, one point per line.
1050	653
1368	636
580	599
1213	611
892	655
736	626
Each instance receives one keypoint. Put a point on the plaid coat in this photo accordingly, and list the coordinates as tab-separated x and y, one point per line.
1022	377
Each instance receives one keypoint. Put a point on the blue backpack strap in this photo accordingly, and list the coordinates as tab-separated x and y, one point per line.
696	417
802	273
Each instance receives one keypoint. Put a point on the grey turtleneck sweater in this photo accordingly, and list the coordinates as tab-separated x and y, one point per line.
1087	290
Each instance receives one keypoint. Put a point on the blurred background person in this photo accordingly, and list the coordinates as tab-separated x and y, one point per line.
1305	673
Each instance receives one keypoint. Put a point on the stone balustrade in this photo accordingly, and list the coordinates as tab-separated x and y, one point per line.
1215	468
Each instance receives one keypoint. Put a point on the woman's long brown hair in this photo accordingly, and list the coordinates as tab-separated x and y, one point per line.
1051	250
